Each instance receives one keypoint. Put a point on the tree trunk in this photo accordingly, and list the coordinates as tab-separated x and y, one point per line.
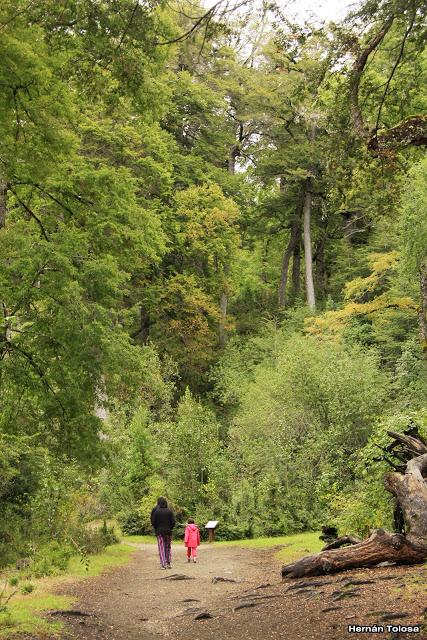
356	76
235	149
422	313
231	162
309	284
410	491
3	202
379	547
296	267
295	228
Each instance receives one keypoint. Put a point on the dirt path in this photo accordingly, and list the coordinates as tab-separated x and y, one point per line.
141	602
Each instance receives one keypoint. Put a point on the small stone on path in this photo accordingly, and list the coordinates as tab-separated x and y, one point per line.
221	579
205	615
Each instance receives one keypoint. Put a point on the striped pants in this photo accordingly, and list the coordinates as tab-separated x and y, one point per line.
164	541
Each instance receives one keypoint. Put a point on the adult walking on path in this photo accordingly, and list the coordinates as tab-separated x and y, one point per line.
163	521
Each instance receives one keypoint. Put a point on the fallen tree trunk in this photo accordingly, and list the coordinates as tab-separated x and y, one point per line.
379	547
340	542
410	491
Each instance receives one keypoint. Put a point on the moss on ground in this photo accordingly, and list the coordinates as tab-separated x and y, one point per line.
140	539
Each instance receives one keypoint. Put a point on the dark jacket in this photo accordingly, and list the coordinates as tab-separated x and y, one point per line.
163	520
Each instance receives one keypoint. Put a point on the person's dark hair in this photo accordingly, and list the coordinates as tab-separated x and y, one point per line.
162	503
190	521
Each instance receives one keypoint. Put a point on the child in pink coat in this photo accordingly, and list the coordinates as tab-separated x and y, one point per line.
191	540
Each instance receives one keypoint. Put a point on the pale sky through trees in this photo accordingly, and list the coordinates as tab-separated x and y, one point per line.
323	9
300	10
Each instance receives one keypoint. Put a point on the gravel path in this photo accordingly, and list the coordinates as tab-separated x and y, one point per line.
141	602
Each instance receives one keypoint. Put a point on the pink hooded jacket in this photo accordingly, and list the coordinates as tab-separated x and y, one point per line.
192	536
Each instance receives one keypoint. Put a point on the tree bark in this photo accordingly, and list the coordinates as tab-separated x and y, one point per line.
231	162
379	547
410	491
308	258
340	542
235	149
296	267
295	229
411	131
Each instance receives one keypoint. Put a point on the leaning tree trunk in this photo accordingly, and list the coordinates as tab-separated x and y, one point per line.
409	486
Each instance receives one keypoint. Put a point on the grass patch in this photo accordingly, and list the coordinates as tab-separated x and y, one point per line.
23	611
22	615
146	539
117	554
297	545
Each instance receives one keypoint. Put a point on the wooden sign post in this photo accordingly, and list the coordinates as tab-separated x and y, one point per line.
211	526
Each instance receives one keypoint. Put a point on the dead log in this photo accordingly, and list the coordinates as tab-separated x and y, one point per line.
340	542
379	547
410	491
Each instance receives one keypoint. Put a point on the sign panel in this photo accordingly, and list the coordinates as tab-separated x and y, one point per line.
212	524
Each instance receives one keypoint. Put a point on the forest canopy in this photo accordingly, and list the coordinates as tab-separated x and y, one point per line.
213	247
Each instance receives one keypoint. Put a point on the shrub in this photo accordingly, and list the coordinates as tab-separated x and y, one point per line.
26	588
133	523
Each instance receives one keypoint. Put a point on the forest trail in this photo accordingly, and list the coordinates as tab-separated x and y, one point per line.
140	602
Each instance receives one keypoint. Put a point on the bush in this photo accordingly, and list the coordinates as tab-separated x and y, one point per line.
227	531
51	559
26	588
92	541
133	524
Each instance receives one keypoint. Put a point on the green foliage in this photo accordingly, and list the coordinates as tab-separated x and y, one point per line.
413	226
151	199
193	448
26	588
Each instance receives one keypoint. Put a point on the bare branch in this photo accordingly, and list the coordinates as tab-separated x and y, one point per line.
32	214
206	16
396	64
3	25
356	75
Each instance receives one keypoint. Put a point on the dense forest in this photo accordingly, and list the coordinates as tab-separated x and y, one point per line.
213	248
